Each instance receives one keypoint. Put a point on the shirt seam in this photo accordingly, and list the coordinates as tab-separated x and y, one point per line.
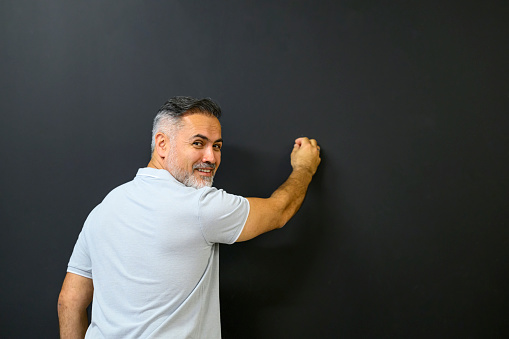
79	271
236	236
200	221
148	175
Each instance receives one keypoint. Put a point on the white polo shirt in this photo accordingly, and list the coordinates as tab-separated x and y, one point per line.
152	249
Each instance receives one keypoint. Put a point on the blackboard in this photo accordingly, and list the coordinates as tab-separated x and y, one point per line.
404	231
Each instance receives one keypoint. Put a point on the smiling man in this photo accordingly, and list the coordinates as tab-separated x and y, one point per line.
189	149
148	254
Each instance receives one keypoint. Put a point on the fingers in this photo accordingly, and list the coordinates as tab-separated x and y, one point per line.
303	141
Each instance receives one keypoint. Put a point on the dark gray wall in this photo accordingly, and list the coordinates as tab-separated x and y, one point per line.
404	233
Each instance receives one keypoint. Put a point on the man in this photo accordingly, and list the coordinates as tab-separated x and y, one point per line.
148	255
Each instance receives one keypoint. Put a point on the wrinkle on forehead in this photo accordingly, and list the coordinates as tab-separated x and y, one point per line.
203	124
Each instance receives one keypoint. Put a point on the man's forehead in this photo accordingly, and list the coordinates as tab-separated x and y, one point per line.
201	125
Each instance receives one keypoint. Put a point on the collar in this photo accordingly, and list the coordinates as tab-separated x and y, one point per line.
157	174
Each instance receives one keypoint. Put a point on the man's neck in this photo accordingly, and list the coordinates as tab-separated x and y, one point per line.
155	163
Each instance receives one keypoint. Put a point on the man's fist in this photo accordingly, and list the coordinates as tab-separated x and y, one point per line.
306	155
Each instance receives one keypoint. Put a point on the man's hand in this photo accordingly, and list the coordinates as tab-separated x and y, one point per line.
306	155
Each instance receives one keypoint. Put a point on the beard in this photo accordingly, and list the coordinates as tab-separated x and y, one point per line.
188	178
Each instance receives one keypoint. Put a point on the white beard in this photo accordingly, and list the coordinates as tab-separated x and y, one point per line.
188	179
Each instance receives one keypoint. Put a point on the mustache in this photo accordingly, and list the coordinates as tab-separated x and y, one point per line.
204	165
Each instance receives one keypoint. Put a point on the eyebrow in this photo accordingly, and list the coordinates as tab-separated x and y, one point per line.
205	138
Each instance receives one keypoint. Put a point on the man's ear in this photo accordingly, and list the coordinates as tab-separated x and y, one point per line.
162	144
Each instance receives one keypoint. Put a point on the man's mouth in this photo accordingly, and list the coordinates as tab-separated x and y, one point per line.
206	170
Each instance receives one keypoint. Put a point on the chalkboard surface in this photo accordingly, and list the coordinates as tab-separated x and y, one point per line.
404	232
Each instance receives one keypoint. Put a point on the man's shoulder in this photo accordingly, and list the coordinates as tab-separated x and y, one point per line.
214	197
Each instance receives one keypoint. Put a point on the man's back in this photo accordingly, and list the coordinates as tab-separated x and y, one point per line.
153	246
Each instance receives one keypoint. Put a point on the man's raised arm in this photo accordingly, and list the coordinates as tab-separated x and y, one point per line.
274	212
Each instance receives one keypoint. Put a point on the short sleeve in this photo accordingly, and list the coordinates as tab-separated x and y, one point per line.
80	262
222	215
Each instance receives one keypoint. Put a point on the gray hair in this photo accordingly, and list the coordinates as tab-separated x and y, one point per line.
169	117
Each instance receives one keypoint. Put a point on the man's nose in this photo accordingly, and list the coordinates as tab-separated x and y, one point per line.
208	155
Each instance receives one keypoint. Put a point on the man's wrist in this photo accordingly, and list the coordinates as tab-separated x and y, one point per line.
304	172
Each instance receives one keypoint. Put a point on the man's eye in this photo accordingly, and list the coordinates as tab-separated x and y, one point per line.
197	143
217	146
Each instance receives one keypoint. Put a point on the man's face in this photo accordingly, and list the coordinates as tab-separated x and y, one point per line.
195	154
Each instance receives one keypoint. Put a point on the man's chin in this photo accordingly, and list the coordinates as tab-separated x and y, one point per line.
205	181
193	179
198	181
